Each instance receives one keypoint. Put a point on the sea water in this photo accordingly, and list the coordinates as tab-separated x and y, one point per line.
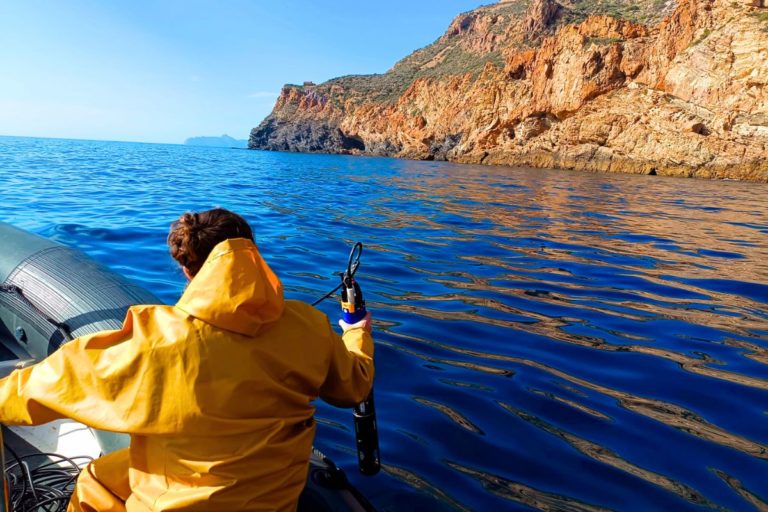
544	339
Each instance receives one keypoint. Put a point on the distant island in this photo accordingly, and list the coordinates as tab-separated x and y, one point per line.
660	87
225	141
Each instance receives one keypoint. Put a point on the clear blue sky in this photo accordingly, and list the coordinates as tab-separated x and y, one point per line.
165	70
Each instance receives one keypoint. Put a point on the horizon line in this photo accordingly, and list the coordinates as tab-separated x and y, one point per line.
107	140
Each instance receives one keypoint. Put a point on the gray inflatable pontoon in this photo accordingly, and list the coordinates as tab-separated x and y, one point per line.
50	294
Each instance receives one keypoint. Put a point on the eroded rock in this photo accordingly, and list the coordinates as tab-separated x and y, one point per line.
687	97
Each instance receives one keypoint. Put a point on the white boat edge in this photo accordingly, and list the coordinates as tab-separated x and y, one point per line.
63	437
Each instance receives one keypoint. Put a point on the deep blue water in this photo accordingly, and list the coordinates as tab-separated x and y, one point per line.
544	339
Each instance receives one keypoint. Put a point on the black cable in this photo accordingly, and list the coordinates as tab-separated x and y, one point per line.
47	487
318	301
352	265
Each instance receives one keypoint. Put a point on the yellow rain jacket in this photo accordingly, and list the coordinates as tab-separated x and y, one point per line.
216	391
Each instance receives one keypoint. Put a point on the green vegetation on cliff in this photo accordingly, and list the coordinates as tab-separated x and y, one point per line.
476	38
446	56
647	12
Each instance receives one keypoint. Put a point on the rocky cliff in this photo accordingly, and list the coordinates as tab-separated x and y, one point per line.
642	86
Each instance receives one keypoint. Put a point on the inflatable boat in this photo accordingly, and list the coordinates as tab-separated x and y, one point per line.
51	294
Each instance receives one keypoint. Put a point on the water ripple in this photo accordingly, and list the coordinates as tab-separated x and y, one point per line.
523	494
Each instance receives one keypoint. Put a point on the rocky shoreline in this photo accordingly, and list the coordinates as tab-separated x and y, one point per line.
529	82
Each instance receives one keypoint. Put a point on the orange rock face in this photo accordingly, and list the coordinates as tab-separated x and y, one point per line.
687	96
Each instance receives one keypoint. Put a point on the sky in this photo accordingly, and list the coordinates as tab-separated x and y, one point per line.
165	70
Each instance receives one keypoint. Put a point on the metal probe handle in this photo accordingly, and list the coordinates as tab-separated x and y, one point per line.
367	437
5	501
352	302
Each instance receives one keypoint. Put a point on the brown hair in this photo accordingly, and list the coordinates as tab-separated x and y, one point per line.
194	235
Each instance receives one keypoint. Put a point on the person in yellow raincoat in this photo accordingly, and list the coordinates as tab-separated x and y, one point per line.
216	391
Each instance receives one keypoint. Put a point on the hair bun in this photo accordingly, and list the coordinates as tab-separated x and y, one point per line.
194	235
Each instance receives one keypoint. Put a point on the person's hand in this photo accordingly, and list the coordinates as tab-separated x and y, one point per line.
365	323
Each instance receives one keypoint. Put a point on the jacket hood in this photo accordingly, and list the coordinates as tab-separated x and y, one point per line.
235	289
